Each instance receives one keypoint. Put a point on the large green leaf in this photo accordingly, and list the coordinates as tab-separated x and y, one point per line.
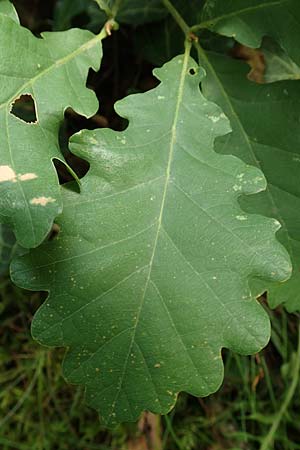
149	275
8	9
7	248
53	71
248	21
261	117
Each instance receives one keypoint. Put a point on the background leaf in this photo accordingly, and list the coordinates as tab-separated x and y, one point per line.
53	72
134	12
161	41
67	10
279	66
258	115
148	278
248	21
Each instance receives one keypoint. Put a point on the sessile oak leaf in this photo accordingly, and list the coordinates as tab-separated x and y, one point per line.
52	71
148	278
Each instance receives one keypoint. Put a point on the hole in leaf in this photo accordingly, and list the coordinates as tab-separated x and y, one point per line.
192	71
24	108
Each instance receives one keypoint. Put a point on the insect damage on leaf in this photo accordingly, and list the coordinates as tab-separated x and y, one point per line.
148	278
42	78
24	108
42	201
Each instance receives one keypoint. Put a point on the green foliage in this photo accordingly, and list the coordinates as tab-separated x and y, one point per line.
53	72
248	21
161	252
158	237
137	12
258	139
279	65
39	411
160	41
67	10
132	12
7	9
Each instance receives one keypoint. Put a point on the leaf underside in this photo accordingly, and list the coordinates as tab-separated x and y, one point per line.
53	71
149	277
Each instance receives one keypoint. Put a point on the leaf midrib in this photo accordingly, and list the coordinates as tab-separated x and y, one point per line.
159	226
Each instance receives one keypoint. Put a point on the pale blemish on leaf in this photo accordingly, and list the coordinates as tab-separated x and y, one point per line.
214	119
258	180
8	174
27	176
41	201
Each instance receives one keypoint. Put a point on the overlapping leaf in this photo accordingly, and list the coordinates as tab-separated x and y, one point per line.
149	276
248	21
53	71
266	134
7	248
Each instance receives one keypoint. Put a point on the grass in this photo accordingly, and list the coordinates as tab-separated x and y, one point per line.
39	411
